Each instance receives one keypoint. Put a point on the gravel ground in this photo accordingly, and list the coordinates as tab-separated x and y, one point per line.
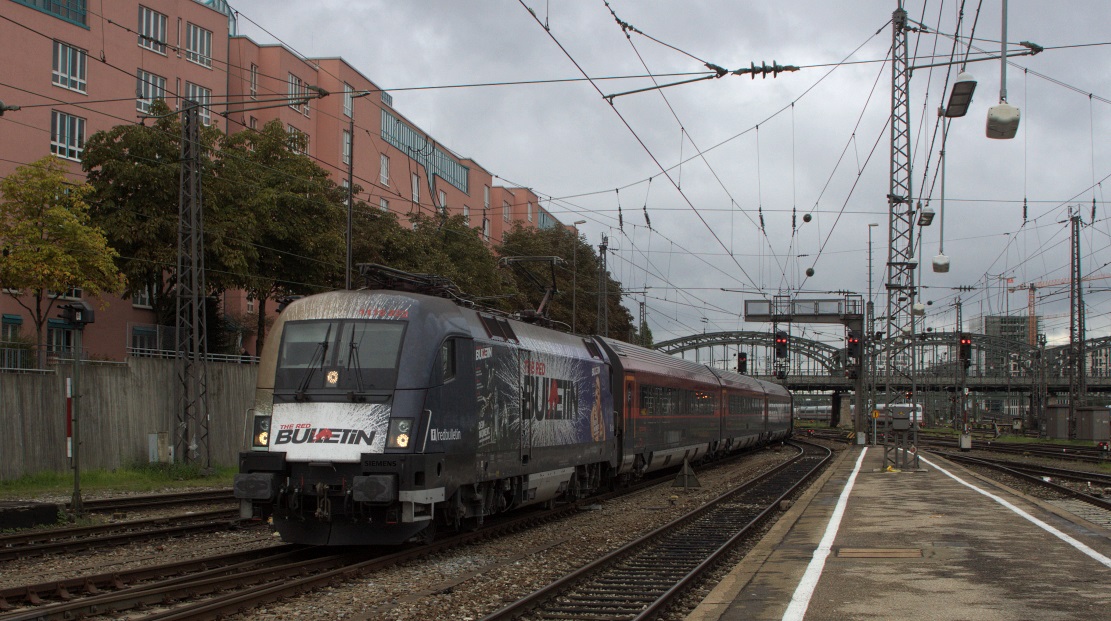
462	584
469	583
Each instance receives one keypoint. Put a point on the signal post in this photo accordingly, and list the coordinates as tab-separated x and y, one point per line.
847	311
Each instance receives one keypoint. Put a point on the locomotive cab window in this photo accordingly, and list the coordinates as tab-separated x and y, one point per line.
447	360
346	355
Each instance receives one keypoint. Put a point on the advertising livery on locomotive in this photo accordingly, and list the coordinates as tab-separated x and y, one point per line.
382	415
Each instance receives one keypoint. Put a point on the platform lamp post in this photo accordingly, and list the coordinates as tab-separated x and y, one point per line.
350	178
960	98
78	314
575	277
870	337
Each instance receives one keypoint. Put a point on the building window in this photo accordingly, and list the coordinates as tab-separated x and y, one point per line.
69	67
12	356
144	339
298	93
202	96
152	30
148	87
67	135
141	298
346	147
387	99
254	81
505	210
253	123
485	228
69	10
298	140
416	188
59	337
384	169
250	304
485	197
530	211
73	293
383	204
198	45
348	99
12	326
467	215
443	201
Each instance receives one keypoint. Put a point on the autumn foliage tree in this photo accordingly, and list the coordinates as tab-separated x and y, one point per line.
49	244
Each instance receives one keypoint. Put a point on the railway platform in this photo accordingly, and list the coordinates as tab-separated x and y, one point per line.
938	543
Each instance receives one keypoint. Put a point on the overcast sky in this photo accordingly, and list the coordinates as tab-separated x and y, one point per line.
814	141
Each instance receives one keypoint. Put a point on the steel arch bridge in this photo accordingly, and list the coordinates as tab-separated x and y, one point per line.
997	364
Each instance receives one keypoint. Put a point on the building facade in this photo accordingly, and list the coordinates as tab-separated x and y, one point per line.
86	67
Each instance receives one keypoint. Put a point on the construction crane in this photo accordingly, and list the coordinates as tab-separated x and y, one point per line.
1031	288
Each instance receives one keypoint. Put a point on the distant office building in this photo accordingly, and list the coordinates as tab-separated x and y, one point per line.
1010	327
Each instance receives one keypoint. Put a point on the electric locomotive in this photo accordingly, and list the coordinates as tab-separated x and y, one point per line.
381	414
378	412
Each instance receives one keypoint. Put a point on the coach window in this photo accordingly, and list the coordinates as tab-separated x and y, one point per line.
447	360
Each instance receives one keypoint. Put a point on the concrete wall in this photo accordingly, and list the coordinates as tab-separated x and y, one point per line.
122	404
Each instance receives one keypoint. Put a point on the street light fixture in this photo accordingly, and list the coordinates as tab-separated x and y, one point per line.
960	98
1003	118
575	277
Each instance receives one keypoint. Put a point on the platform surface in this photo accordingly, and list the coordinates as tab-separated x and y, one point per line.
918	546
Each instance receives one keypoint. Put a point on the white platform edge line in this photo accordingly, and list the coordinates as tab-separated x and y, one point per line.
1099	558
800	601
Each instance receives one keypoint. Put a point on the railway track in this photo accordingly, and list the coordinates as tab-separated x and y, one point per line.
49	541
216	587
640	580
1037	475
926	439
155	501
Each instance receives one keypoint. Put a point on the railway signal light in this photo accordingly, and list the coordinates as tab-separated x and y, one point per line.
964	352
853	342
780	344
742	362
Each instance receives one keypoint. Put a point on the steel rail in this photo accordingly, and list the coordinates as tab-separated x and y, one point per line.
73	539
1031	478
673	544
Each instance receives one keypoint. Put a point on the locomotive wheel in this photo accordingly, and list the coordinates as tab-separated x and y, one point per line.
428	535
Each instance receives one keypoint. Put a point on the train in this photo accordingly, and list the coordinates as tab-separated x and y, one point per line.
382	416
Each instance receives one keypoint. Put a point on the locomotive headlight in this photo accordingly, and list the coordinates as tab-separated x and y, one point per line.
261	436
400	431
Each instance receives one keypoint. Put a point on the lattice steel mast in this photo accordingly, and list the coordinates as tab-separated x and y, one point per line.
191	424
900	253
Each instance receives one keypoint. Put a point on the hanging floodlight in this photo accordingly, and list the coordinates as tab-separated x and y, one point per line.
918	309
941	264
960	98
925	216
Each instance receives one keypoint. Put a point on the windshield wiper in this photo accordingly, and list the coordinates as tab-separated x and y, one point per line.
353	354
321	351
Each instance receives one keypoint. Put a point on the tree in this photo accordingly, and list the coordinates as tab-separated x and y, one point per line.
579	271
297	219
134	172
49	243
453	249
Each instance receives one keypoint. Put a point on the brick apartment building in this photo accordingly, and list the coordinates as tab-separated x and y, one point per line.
79	67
